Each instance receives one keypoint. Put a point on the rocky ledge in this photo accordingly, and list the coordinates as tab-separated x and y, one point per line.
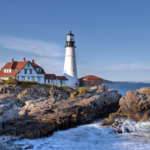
135	106
37	111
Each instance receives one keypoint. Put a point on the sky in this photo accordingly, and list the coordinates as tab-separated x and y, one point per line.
112	36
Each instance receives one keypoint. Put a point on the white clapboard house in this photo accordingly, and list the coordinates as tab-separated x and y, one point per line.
29	71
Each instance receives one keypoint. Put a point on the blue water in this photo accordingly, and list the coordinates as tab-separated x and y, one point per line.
123	88
96	137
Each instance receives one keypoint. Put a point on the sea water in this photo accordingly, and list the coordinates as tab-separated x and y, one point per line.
96	137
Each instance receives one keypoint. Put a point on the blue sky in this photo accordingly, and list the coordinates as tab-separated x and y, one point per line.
112	36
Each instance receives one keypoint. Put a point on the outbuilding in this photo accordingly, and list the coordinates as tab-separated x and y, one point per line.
90	80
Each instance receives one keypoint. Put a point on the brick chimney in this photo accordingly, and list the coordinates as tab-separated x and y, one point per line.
24	59
32	61
12	60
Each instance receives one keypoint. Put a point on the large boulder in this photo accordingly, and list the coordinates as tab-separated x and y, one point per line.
135	106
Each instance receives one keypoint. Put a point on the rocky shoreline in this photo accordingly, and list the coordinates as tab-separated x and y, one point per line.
135	106
37	111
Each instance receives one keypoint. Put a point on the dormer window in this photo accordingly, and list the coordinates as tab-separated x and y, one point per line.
7	70
28	65
38	69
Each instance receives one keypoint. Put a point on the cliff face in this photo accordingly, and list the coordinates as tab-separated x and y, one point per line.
36	111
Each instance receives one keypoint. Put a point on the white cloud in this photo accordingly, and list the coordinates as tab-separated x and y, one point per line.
119	72
51	66
37	47
125	67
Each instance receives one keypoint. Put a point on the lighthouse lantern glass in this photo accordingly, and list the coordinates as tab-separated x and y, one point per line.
70	38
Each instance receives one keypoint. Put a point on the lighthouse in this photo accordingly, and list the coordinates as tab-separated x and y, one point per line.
70	68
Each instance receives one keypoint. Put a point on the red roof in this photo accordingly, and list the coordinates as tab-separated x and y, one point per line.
91	77
37	66
14	65
61	78
50	76
17	66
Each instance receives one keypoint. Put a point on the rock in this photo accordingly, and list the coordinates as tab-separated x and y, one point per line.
107	122
1	130
29	147
135	106
3	89
36	111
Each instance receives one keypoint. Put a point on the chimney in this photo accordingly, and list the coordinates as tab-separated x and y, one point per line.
24	59
12	60
32	61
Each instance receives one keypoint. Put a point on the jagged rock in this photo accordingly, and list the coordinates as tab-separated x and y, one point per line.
135	106
1	130
29	147
3	89
31	113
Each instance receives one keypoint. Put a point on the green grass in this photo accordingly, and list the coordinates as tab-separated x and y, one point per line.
27	83
11	81
82	90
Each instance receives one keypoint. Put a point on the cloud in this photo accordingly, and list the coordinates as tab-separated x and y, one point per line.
51	66
125	67
118	72
37	47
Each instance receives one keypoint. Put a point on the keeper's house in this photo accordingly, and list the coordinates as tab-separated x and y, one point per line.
90	80
29	71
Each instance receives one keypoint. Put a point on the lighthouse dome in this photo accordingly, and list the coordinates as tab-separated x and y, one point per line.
70	34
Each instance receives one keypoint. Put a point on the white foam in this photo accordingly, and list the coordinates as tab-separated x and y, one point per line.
91	137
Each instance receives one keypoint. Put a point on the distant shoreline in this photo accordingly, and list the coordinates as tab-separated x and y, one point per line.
122	82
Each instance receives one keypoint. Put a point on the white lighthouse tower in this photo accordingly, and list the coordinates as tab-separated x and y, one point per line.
70	69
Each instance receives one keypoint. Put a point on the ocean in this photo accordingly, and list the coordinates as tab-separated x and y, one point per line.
96	137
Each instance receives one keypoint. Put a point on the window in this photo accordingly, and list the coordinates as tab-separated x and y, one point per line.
32	78
28	78
9	70
91	81
39	70
23	78
30	71
61	82
48	80
25	71
38	79
28	65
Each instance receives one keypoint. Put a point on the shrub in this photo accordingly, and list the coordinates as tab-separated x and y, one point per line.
11	81
72	96
26	83
76	93
61	88
2	82
82	90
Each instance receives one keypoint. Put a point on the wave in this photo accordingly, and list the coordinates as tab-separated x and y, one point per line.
94	136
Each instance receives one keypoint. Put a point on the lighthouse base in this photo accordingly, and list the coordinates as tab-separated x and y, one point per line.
72	81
